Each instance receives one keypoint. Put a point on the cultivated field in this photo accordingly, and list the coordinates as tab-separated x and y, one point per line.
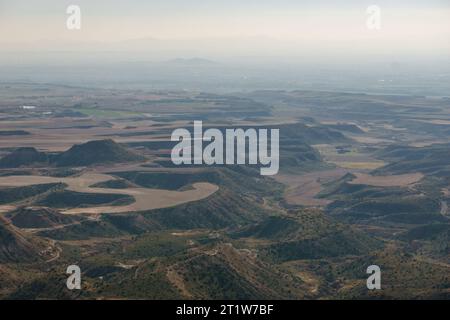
303	189
145	198
400	180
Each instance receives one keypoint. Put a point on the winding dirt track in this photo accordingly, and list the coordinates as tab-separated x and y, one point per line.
145	199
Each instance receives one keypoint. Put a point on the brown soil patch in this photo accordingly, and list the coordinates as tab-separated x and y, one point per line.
145	198
303	189
400	180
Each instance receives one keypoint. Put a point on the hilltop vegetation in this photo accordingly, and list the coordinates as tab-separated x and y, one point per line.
89	153
308	234
432	160
24	157
70	199
39	217
10	195
95	152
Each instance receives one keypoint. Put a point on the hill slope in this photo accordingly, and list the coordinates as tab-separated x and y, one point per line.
39	217
22	157
95	152
308	234
13	246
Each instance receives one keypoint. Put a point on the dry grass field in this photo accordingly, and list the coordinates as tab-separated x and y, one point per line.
303	189
364	165
400	180
353	159
145	198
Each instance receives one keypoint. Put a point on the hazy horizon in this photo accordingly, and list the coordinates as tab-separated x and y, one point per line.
253	45
261	28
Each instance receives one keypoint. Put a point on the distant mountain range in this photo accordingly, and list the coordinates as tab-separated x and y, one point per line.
191	61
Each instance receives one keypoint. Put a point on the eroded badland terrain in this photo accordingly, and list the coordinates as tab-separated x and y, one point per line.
86	178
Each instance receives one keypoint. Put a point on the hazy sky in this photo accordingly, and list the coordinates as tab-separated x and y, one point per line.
229	26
